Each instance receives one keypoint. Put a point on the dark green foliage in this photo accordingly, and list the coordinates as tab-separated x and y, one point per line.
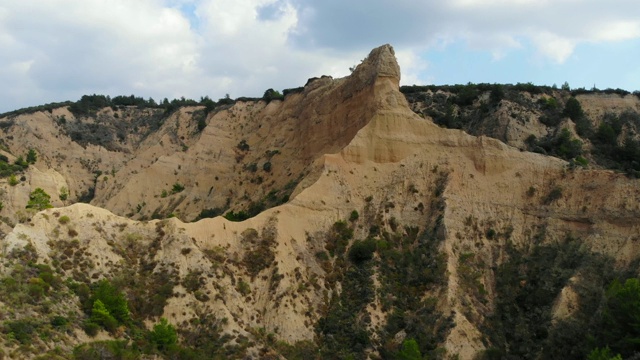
11	170
297	90
209	213
111	298
39	200
610	151
343	329
32	157
236	216
362	251
101	316
59	321
497	93
30	110
177	187
354	216
621	317
89	105
253	167
563	146
573	109
411	266
527	285
467	95
243	146
163	335
112	349
22	330
21	162
271	94
267	166
410	350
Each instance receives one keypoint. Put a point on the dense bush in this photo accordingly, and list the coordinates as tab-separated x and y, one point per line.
163	335
362	251
39	200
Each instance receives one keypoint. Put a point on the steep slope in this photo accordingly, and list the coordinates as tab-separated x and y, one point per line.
398	231
263	148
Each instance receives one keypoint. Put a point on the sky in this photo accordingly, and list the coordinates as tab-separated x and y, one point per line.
57	50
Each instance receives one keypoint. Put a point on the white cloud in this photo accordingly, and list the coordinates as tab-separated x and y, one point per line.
554	47
61	49
411	66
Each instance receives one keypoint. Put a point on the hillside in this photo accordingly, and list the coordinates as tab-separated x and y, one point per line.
368	230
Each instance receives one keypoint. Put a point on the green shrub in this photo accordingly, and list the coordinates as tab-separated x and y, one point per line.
64	193
573	109
32	157
22	330
243	146
101	316
39	200
410	350
91	328
163	335
111	298
362	251
177	187
59	321
354	216
271	94
13	181
64	219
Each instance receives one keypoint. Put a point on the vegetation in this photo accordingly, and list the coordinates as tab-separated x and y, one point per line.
271	95
11	170
39	200
475	107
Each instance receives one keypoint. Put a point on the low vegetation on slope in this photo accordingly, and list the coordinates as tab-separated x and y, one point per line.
610	140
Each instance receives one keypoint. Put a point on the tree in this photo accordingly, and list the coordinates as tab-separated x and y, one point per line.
163	335
621	328
113	300
573	109
39	200
100	315
271	94
21	162
32	157
410	350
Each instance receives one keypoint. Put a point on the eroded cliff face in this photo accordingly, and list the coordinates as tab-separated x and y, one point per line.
444	210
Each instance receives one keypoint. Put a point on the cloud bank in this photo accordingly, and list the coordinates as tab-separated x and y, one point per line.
58	50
